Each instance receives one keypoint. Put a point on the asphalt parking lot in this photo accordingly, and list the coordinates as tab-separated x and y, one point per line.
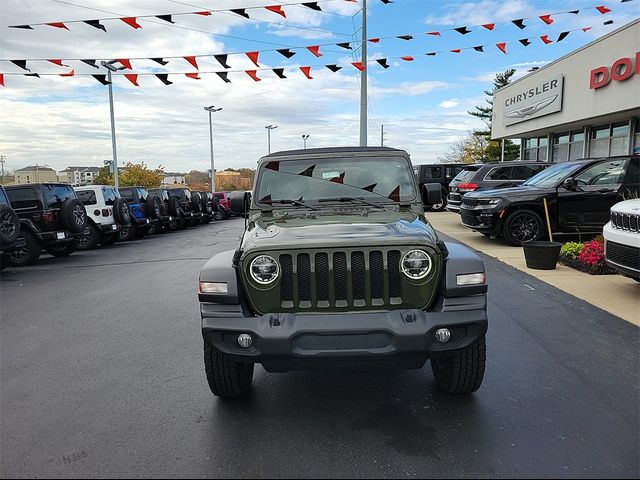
102	376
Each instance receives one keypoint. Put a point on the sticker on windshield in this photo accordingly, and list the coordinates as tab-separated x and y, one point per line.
330	175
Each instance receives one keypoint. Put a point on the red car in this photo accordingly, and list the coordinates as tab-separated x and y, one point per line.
224	208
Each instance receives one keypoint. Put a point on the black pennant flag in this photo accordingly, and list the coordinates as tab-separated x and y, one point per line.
525	42
222	60
286	52
479	48
224	76
102	79
431	54
241	11
279	72
334	68
562	36
159	60
96	24
383	62
26	27
386	2
32	75
608	22
575	12
345	45
90	62
519	23
462	30
164	78
405	37
22	64
313	6
166	18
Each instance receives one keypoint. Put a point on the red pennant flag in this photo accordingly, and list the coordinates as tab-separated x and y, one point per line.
374	40
307	72
68	74
133	78
125	63
359	65
253	74
58	62
586	29
315	49
253	56
131	21
502	46
408	58
2	79
192	61
395	195
545	39
602	9
489	26
437	34
206	13
195	76
546	19
455	50
58	25
277	9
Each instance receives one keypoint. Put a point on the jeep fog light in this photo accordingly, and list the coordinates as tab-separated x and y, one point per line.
443	335
264	269
245	340
219	288
416	264
471	279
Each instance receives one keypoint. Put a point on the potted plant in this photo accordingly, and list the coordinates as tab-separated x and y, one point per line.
539	254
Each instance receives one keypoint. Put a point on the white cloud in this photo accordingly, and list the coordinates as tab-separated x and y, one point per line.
449	103
485	11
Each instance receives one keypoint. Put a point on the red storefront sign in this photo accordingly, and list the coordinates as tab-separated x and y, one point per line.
621	70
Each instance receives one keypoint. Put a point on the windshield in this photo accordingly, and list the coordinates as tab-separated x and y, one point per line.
384	180
466	175
553	175
56	194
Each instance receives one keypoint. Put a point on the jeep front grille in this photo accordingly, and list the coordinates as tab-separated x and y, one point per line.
623	255
625	221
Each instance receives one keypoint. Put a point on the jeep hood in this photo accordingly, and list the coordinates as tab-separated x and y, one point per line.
335	231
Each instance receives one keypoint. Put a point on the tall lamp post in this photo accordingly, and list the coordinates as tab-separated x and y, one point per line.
112	68
211	109
304	139
269	128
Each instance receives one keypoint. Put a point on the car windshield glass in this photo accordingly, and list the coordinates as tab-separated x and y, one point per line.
553	175
383	180
56	194
466	174
178	193
3	198
110	195
87	197
127	194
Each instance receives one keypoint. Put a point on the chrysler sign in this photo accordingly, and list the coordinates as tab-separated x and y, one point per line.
539	100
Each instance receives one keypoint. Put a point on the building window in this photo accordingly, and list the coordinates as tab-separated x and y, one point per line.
536	149
568	146
609	140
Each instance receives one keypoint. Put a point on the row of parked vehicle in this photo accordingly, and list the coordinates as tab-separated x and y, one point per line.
60	219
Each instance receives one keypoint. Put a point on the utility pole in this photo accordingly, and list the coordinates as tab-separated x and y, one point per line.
211	110
382	135
304	139
502	148
2	160
363	79
110	68
269	128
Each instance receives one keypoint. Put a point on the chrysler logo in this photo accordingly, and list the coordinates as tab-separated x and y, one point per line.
531	109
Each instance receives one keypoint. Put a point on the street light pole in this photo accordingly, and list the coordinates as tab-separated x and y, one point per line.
211	109
304	139
363	79
269	128
110	68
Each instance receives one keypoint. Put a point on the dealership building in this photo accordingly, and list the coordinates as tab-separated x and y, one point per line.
585	104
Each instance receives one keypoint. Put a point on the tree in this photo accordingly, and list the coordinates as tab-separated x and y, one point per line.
196	176
138	174
104	177
469	149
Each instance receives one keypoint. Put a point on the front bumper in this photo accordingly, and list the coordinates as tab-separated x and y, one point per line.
622	250
288	341
486	220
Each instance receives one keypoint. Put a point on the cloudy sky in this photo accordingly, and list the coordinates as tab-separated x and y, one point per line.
62	121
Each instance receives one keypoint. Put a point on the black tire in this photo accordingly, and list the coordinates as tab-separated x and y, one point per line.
522	226
196	202
152	207
461	373
121	211
174	207
153	228
127	233
89	238
219	215
62	249
227	378
27	255
74	215
440	207
9	225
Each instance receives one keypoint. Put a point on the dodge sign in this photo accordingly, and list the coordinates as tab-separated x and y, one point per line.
539	100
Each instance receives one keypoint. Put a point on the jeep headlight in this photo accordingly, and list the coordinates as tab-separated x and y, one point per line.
264	269
416	264
489	201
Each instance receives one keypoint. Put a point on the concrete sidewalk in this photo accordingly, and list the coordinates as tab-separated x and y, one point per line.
613	293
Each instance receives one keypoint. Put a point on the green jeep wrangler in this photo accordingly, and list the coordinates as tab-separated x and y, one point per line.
338	266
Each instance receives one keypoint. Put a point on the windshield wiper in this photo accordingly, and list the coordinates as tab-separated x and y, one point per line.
352	200
287	201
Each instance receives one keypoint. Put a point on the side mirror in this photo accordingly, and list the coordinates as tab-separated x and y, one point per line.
239	202
431	194
570	183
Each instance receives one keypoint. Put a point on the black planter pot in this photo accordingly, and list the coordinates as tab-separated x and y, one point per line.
541	255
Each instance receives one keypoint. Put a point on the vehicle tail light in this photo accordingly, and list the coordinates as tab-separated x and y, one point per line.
467	187
48	217
106	212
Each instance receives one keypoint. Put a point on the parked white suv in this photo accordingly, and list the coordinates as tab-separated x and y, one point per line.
107	213
622	238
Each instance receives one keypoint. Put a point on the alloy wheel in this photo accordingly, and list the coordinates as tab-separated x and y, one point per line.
79	215
524	228
7	227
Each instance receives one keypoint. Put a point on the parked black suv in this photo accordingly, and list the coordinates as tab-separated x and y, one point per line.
489	176
51	218
441	173
208	205
9	227
188	203
579	195
171	214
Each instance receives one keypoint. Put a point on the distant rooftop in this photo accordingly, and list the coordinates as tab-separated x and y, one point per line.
35	167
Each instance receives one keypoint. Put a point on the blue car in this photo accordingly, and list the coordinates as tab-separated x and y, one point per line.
145	213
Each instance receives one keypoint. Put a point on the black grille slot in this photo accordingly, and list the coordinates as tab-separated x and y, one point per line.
623	255
393	261
376	268
340	275
633	223
625	222
286	285
358	275
304	277
469	202
322	276
469	219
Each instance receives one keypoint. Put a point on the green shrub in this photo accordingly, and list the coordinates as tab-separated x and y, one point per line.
571	249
